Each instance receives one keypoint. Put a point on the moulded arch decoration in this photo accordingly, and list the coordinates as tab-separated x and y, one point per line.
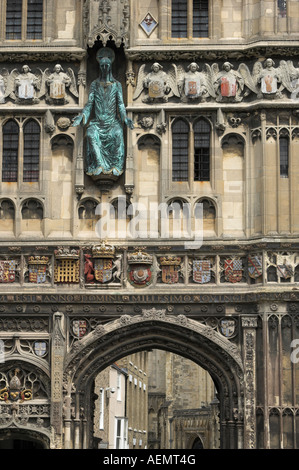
149	140
154	328
232	139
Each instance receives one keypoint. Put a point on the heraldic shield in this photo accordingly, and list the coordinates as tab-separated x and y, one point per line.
233	270
170	269
7	271
103	269
255	266
201	271
79	328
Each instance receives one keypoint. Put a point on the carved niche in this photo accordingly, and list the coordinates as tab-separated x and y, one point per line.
105	19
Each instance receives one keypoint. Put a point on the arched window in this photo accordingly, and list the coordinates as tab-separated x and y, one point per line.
31	151
10	152
190	18
24	15
282	8
284	156
180	145
201	151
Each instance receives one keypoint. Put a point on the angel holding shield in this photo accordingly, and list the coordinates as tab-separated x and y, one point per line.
105	148
58	81
156	82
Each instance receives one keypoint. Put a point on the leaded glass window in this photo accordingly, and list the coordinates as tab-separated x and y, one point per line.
180	145
31	151
201	151
10	152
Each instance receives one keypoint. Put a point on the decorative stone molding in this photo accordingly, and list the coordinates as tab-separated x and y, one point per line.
249	325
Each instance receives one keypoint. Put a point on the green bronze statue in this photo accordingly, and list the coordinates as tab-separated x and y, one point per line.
105	150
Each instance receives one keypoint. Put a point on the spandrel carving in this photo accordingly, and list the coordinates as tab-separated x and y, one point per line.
104	135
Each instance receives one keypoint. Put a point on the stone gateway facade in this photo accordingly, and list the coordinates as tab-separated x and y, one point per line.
192	249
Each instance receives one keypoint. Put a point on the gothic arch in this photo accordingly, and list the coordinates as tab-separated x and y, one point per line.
155	329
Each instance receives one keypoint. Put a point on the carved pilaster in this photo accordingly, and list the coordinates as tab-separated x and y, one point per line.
249	325
57	358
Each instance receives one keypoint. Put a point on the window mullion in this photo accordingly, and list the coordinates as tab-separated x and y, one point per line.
190	19
21	156
24	20
191	158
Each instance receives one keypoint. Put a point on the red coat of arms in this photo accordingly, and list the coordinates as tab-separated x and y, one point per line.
233	270
140	270
228	86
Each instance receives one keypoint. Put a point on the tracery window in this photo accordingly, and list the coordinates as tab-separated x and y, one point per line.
190	18
24	19
12	150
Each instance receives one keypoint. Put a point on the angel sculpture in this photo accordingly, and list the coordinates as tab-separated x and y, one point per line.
5	91
158	84
294	77
26	85
58	81
229	84
192	84
270	77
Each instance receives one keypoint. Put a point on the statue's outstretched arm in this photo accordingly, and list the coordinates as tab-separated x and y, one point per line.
84	116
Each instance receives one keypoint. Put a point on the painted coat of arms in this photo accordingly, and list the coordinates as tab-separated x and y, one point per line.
7	271
170	269
233	270
38	269
201	271
140	268
227	327
79	328
284	271
228	86
255	266
103	270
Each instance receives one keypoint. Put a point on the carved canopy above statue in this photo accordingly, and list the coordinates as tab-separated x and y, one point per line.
105	20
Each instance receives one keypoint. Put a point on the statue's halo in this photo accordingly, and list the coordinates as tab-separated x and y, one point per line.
106	52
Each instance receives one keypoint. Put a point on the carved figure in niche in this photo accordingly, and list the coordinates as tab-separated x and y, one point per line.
229	84
58	81
105	143
26	85
2	89
158	85
192	85
293	74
